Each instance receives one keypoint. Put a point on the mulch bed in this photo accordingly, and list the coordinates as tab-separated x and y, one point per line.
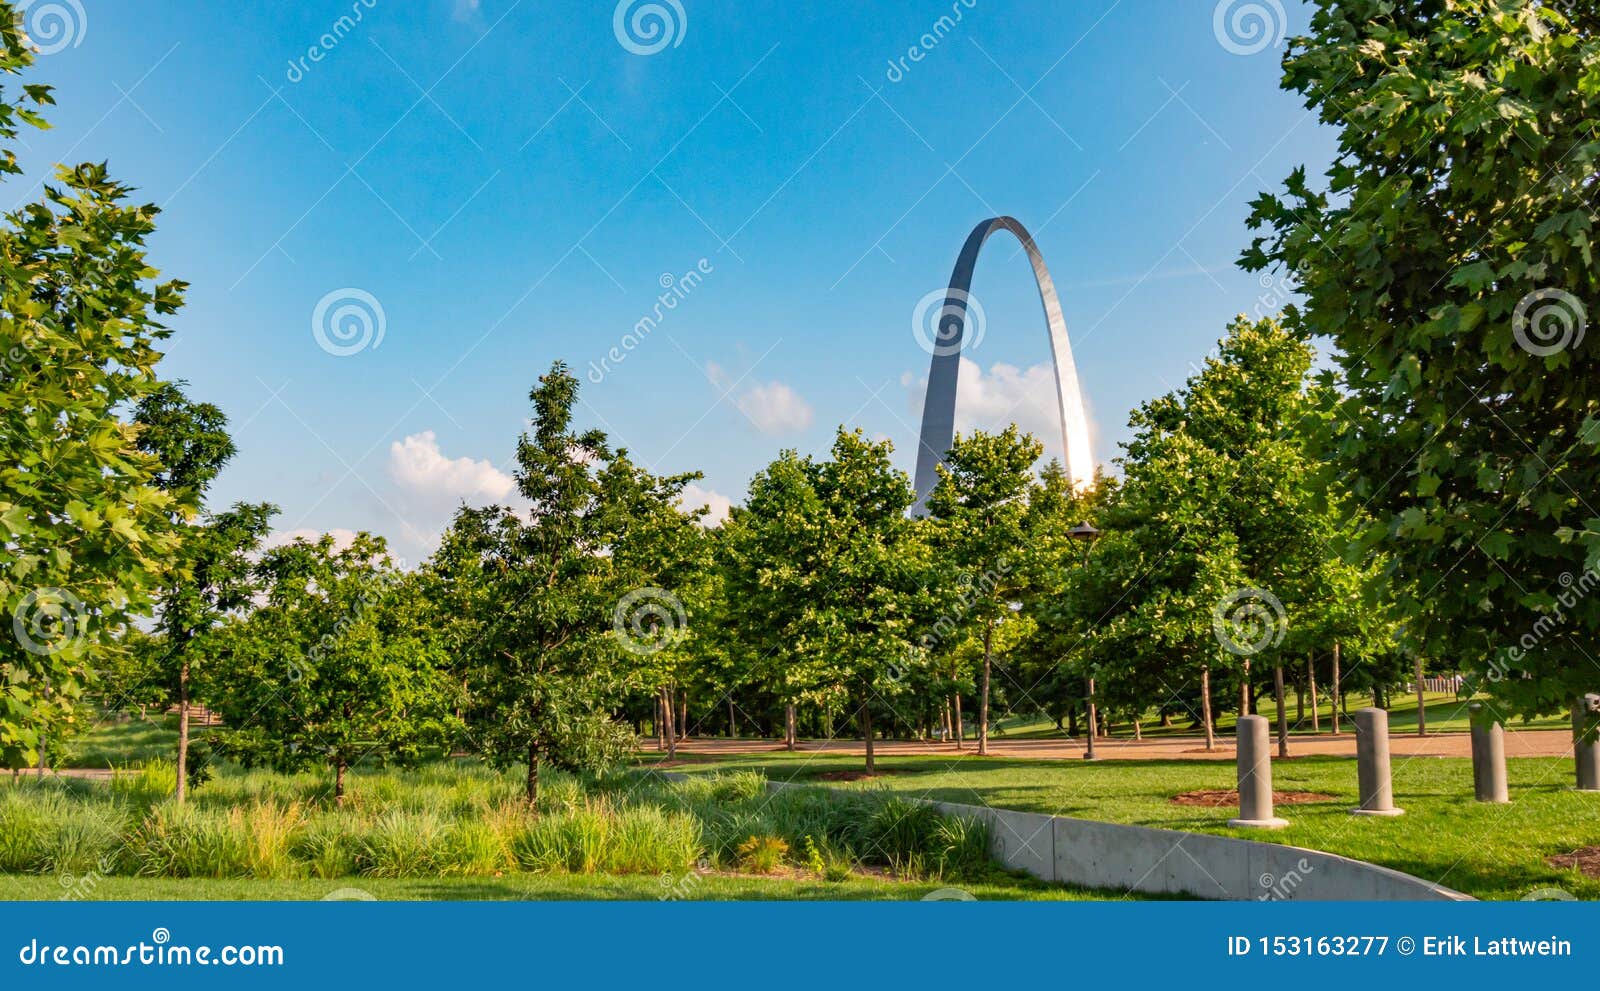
863	775
1223	799
1585	859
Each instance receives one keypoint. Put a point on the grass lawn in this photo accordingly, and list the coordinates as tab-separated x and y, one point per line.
1488	851
1446	713
112	743
535	887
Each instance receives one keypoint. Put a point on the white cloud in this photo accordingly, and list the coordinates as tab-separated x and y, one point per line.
418	466
775	408
694	497
466	10
1004	395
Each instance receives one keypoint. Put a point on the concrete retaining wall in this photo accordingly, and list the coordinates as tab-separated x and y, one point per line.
1114	857
1169	862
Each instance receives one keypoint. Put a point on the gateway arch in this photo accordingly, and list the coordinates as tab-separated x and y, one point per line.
939	407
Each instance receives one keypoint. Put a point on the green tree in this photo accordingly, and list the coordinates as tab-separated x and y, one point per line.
210	574
85	531
980	505
334	667
1450	261
561	592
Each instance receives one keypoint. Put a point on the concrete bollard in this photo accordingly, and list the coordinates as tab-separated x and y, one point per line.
1255	777
1372	764
1488	758
1587	755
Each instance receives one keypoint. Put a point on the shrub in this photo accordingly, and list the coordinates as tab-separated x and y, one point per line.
762	854
187	841
145	784
401	844
328	846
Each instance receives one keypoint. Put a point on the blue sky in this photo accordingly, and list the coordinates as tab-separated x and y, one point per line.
514	182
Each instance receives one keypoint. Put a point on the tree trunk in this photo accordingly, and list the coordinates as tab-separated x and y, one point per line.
983	704
182	791
1283	713
1092	711
1422	702
1205	708
961	733
669	722
1299	705
1333	690
338	783
1137	734
733	721
683	715
1311	685
1072	722
789	731
866	731
533	777
1166	720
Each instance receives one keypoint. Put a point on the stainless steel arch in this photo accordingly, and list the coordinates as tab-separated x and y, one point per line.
939	406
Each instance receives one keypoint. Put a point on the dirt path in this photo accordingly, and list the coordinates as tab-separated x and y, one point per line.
1519	743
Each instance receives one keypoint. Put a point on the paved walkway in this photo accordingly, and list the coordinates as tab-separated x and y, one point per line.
1519	743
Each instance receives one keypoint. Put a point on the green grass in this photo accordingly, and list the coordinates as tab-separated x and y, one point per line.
532	887
112	743
1488	851
265	835
1446	714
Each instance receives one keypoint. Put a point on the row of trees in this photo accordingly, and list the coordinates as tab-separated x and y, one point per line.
1423	503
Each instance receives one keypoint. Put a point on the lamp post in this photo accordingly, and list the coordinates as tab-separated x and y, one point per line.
1085	533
